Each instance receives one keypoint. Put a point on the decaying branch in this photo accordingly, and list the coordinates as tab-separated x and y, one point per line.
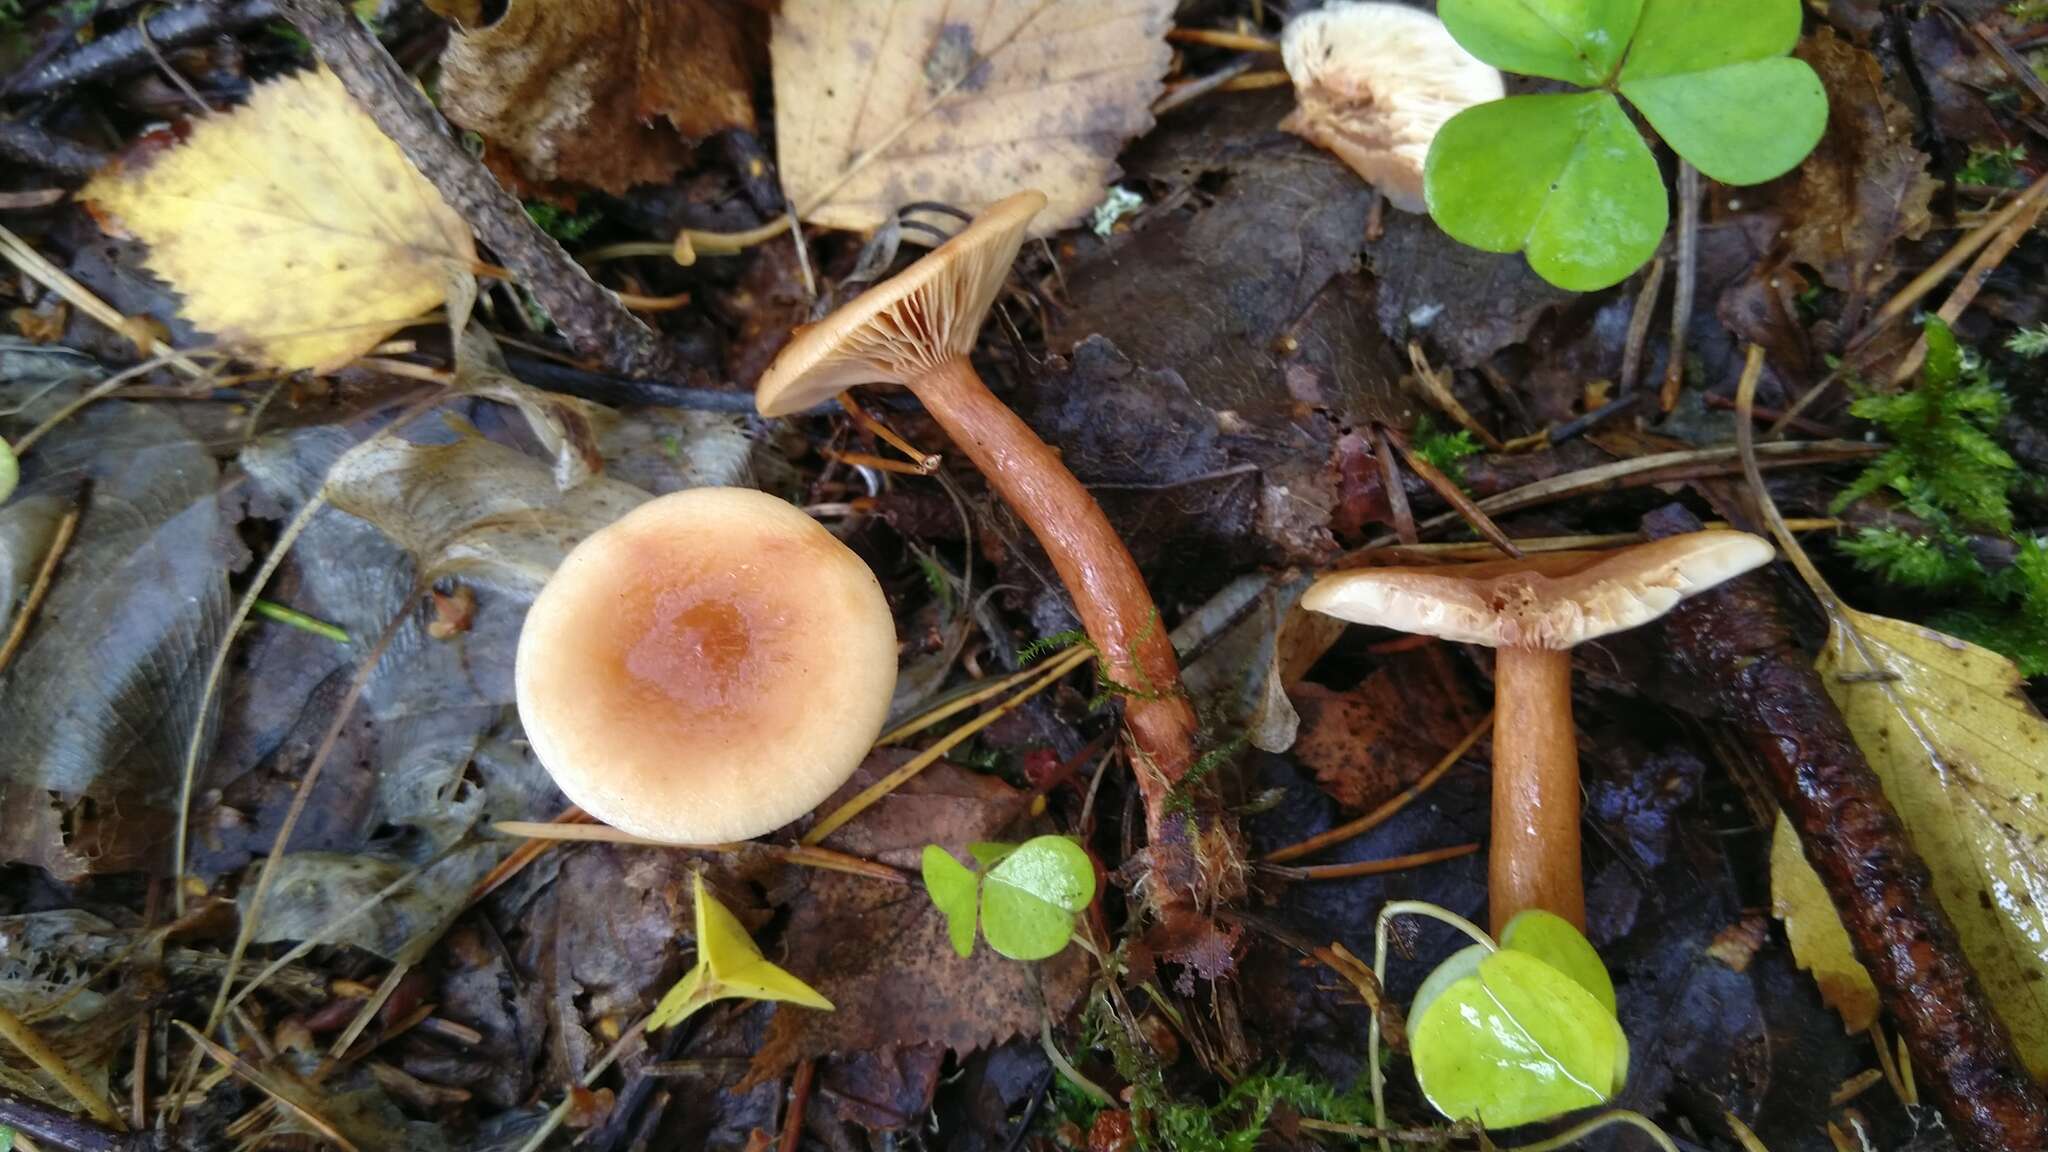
1731	649
593	320
130	47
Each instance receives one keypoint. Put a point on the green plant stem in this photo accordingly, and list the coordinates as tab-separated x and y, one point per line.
271	610
1067	1071
1388	911
1587	1127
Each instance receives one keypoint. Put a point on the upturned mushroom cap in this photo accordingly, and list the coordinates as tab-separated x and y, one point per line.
906	325
1373	84
707	668
1550	600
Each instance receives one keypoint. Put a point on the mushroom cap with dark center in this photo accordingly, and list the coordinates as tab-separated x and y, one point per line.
708	668
1548	600
909	323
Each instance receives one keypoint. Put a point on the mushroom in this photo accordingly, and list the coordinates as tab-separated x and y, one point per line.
1373	83
1532	612
706	668
917	330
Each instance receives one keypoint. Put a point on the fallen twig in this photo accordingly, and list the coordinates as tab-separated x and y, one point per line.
1682	290
1370	867
30	1044
1385	812
25	143
128	48
590	317
45	575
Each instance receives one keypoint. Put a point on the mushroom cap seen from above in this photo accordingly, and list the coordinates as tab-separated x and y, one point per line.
1373	82
906	325
1551	600
707	668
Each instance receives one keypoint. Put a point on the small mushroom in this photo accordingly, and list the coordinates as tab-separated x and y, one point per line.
917	330
707	668
1533	611
1373	83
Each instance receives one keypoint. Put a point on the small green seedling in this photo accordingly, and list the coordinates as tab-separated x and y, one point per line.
729	967
1511	1032
1028	894
1566	177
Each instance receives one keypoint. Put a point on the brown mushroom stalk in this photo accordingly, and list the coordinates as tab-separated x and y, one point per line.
1532	612
918	330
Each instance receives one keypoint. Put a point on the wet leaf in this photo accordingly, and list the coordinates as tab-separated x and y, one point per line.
729	966
1819	941
1564	178
880	106
1029	899
1553	940
295	230
101	700
1570	40
10	471
609	93
1964	758
953	888
1511	1040
26	531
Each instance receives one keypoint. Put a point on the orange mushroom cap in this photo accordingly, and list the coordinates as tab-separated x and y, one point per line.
909	323
707	668
1548	600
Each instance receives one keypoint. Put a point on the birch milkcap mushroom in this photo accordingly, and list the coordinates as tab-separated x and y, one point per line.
1373	82
1532	612
917	330
707	668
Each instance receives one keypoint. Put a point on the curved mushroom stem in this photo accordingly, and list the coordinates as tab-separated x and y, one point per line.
1534	855
1109	592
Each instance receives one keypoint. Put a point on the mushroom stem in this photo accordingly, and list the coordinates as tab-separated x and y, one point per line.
1109	593
1535	849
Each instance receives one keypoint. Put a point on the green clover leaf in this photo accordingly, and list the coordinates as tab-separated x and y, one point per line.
1520	1034
10	471
1577	41
1563	177
1567	178
1029	894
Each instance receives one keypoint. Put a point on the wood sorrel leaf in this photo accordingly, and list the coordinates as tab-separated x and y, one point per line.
1516	1042
1028	901
952	887
1714	81
1565	178
1577	41
1552	939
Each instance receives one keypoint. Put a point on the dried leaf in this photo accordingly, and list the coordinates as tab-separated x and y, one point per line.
877	107
1368	742
1865	186
1819	941
27	528
475	509
1963	756
579	91
295	230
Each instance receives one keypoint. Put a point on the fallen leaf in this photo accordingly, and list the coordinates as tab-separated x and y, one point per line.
1366	743
1819	942
729	966
1736	944
880	106
1865	186
475	509
580	91
295	230
1963	756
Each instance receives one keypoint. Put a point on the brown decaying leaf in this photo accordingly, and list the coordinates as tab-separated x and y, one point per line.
1865	186
879	952
877	106
1368	742
579	91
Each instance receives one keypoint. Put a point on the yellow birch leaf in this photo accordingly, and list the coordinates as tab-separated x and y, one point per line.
1819	942
881	104
1964	759
729	966
293	228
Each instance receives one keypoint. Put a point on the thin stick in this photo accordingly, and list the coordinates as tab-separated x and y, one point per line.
520	857
1180	93
1456	497
46	574
96	392
691	243
32	1045
806	855
931	755
1471	550
1440	393
1390	480
1386	811
799	1101
1371	867
1255	81
959	704
927	462
1234	41
1682	291
1965	291
262	1083
32	263
1639	327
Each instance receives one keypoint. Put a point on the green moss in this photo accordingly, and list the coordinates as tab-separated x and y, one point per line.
1445	451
